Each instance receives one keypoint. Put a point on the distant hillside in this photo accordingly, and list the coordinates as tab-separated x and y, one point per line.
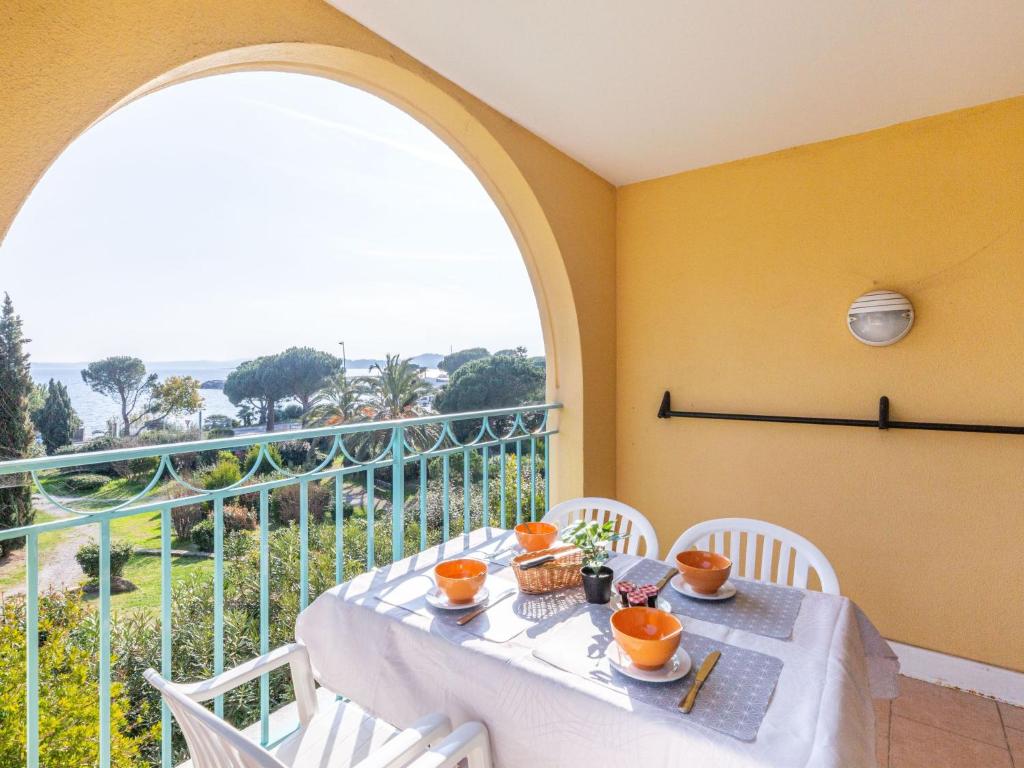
426	360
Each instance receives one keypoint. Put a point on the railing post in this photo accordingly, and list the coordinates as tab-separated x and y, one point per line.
446	484
165	632
423	503
519	481
485	519
303	543
371	558
339	529
501	480
264	613
467	477
533	479
32	651
218	596
104	671
397	495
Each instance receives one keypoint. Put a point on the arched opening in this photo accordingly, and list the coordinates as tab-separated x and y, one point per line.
242	214
498	174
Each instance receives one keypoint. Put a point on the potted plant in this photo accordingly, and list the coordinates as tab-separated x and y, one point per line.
592	538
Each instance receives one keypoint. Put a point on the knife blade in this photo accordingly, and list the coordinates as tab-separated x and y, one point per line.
665	580
702	674
473	614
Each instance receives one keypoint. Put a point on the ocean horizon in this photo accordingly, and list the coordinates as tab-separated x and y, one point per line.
95	409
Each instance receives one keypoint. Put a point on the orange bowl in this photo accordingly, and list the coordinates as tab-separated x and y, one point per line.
461	579
705	572
536	536
648	636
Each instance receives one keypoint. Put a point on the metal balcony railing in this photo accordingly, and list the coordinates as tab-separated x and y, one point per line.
510	447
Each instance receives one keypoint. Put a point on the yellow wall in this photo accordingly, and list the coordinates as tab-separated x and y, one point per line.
65	64
733	282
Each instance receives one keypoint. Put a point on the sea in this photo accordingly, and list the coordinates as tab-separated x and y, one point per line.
95	409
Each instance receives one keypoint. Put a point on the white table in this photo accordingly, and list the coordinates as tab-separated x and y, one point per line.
399	665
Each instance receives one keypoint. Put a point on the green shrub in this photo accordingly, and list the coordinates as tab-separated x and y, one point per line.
202	535
88	556
217	432
284	503
227	471
86	482
265	467
295	452
291	411
68	691
184	519
238	518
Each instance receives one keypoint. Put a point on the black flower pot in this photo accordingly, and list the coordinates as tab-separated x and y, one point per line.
597	584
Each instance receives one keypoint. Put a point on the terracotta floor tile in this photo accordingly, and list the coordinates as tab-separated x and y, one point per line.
950	710
916	745
1016	741
1013	717
882	707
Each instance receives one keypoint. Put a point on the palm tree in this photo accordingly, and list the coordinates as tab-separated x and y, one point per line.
336	403
392	394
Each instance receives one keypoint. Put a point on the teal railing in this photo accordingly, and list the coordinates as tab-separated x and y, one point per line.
365	450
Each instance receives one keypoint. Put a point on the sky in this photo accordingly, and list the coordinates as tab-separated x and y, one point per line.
238	215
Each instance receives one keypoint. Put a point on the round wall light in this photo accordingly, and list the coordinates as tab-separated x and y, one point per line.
880	318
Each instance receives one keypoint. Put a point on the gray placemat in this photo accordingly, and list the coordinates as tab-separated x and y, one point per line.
764	609
505	620
733	699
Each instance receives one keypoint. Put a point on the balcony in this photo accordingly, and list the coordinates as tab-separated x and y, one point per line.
707	199
359	519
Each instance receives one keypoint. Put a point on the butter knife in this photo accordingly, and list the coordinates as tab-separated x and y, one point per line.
702	674
473	614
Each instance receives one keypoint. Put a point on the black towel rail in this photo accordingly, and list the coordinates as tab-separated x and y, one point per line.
882	422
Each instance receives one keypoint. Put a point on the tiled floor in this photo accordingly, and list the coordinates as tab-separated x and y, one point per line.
933	727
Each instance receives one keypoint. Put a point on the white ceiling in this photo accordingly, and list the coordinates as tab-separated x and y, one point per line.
637	90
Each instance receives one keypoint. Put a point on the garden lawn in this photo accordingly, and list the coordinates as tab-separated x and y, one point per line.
143	530
144	572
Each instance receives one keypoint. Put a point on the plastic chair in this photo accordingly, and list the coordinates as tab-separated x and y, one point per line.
627	521
331	732
794	552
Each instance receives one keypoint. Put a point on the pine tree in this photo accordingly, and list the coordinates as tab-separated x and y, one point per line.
16	433
56	420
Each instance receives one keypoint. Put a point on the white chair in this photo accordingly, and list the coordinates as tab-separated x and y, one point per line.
794	550
627	521
332	733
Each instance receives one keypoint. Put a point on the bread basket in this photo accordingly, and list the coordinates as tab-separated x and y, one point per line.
559	573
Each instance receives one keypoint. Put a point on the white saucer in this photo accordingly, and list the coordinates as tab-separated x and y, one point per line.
674	668
724	592
439	599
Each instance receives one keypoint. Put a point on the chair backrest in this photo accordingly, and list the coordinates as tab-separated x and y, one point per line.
212	742
751	545
627	521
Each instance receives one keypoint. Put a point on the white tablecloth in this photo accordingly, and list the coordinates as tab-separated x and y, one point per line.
401	665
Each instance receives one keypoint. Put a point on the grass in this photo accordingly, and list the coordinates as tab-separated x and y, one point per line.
144	572
143	530
111	493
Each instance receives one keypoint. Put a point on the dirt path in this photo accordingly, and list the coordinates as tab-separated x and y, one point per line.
58	567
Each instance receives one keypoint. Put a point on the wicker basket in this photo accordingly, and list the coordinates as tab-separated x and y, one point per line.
558	574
